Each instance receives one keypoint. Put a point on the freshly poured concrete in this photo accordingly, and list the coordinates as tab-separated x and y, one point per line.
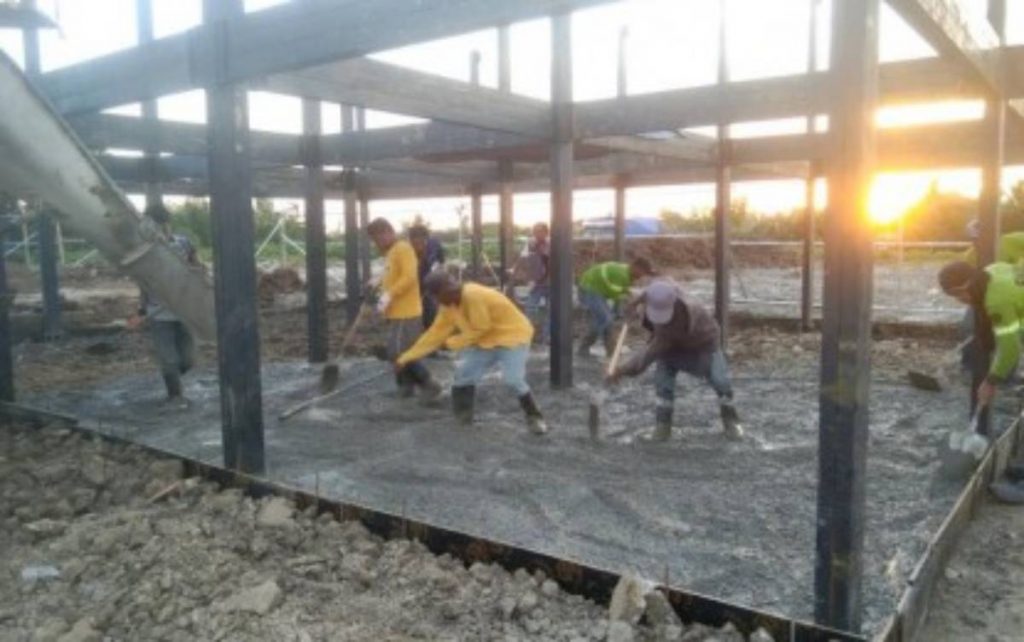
733	520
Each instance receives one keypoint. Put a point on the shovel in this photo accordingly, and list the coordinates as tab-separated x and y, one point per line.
932	382
596	401
961	451
331	374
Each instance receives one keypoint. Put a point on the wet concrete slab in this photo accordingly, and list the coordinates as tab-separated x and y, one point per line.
732	520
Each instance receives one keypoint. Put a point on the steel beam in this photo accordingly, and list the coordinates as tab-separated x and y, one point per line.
238	339
846	326
562	175
317	321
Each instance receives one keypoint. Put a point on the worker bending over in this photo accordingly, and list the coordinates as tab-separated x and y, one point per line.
400	305
997	298
600	286
684	338
489	330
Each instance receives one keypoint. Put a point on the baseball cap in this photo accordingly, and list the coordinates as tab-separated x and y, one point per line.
660	301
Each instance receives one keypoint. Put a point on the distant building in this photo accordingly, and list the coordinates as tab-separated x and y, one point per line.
605	227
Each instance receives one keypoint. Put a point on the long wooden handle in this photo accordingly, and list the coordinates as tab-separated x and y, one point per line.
352	328
614	361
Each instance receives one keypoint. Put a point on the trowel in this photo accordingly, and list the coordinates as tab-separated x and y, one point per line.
597	399
960	451
932	382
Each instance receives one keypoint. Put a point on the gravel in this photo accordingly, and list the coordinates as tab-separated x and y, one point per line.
139	553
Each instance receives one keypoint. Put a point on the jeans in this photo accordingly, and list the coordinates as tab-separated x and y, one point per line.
600	317
709	365
540	314
474	363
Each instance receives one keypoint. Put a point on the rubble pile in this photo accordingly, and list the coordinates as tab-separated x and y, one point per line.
107	542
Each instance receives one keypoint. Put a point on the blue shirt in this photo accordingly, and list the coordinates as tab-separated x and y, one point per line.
432	257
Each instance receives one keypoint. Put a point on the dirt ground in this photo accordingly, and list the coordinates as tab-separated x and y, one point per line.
981	597
103	542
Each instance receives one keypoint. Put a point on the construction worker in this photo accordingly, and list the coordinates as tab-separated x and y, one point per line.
532	264
173	346
402	308
430	254
684	338
1009	249
489	330
996	296
603	283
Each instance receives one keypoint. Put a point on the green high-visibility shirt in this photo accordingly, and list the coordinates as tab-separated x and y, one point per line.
1010	249
1004	303
610	280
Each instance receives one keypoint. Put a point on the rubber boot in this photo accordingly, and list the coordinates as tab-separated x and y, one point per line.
662	426
430	390
406	386
534	419
609	341
588	341
731	421
462	404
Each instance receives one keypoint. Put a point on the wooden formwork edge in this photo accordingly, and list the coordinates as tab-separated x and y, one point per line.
575	577
905	624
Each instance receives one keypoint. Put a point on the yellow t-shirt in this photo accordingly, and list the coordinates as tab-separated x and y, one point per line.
485	318
402	282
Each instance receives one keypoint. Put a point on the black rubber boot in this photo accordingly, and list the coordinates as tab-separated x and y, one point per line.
406	385
662	426
534	419
462	404
430	390
730	421
589	339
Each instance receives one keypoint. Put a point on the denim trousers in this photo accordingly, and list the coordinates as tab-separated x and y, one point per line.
709	365
600	317
473	364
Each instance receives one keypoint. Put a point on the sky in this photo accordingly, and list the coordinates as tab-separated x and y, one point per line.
764	39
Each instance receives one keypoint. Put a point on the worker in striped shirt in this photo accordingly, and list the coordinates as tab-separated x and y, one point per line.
601	286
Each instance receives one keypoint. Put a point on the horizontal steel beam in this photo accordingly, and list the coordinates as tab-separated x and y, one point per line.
290	37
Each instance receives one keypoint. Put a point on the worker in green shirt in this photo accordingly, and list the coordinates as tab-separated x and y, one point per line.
603	283
996	294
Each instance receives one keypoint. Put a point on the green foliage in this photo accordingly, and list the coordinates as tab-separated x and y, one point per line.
944	217
743	222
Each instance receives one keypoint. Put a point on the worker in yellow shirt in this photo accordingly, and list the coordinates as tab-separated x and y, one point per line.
489	330
401	307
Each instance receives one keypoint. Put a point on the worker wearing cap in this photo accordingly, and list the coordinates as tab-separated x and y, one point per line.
430	256
684	338
600	286
996	296
488	330
400	305
533	265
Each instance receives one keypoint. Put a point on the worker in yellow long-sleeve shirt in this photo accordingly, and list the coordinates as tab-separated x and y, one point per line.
489	330
400	305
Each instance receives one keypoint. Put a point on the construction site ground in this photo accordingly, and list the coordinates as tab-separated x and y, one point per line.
733	520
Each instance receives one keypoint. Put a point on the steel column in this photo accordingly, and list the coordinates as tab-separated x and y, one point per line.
723	196
619	243
144	31
364	213
318	324
989	220
7	218
846	325
561	263
46	232
238	338
807	254
353	289
506	215
476	239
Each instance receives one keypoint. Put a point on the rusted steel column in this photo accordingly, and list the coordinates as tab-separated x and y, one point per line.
238	338
846	324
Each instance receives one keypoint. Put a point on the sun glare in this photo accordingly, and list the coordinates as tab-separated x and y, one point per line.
893	194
